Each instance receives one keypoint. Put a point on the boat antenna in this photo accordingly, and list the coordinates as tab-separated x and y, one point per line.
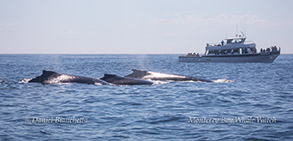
245	27
236	29
243	34
226	32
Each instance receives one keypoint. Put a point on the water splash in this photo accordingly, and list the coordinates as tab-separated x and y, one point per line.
98	84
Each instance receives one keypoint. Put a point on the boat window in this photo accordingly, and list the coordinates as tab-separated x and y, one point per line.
253	50
229	41
244	51
235	51
249	50
238	40
212	52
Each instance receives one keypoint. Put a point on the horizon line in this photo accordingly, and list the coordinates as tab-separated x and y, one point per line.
102	53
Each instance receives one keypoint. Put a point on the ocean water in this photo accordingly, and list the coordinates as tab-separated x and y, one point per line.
248	101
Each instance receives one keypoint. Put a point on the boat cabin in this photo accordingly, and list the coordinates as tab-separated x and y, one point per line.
231	46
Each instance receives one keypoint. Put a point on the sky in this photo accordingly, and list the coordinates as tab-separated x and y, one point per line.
140	26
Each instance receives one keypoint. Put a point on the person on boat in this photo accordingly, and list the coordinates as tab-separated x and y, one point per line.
254	50
222	42
274	48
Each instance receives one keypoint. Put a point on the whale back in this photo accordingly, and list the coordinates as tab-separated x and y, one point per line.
119	80
142	74
138	73
51	77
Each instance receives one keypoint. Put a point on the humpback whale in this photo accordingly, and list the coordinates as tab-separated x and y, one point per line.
119	80
51	77
148	75
137	77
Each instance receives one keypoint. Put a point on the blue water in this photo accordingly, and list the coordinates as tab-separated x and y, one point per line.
155	112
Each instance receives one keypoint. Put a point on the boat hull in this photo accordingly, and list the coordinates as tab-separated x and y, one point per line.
249	58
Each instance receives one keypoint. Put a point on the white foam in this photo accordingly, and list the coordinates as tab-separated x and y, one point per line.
158	82
98	84
191	81
223	81
26	80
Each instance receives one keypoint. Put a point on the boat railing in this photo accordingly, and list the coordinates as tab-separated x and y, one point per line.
214	44
193	55
248	42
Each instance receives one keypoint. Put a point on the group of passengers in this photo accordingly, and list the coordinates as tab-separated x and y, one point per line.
270	49
193	55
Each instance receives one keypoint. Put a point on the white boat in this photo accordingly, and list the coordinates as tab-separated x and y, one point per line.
233	50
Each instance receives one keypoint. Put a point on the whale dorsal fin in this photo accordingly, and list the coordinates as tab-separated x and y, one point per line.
45	72
108	76
45	76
